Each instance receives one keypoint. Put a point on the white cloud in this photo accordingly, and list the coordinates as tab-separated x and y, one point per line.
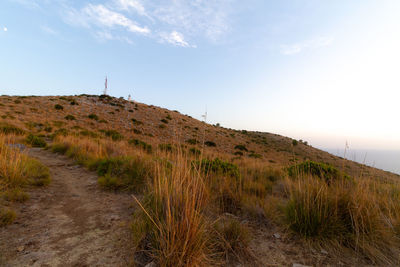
5	29
172	21
131	5
174	38
308	44
107	36
49	30
102	17
198	18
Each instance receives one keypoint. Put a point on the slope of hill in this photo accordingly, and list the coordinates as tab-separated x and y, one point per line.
156	125
200	194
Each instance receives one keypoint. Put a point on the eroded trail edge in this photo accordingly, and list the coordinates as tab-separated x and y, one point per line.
71	222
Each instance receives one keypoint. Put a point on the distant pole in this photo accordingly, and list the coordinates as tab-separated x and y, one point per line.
105	87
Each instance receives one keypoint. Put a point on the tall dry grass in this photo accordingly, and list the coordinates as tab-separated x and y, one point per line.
353	214
174	214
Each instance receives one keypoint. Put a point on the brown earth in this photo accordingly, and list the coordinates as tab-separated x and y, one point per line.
72	222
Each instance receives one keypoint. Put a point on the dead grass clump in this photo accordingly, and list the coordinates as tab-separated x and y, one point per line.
173	217
346	213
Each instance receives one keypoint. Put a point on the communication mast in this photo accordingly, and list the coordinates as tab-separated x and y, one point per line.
105	87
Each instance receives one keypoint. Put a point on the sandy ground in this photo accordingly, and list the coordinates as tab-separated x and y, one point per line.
72	222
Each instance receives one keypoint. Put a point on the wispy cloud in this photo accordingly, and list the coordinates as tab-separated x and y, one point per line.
174	22
5	29
306	45
102	17
107	36
174	38
48	30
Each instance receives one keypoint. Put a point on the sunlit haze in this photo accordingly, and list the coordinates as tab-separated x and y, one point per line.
322	71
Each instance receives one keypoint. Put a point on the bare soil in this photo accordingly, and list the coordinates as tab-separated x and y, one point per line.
71	222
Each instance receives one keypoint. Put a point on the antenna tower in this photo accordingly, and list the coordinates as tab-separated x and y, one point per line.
105	87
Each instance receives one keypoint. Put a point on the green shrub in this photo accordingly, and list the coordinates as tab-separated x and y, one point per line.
6	128
73	103
35	141
192	141
70	117
162	126
93	117
136	131
241	147
318	169
123	173
88	133
58	107
295	142
255	155
136	122
115	135
238	153
164	121
141	144
210	144
218	166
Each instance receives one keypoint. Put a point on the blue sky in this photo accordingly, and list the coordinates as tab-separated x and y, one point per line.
322	71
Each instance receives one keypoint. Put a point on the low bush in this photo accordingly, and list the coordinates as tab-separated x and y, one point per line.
143	145
318	169
115	135
241	147
194	151
210	144
164	121
218	166
255	155
123	173
192	141
58	107
35	141
93	117
6	128
70	117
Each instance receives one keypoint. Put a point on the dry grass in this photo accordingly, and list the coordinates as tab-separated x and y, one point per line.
17	171
351	214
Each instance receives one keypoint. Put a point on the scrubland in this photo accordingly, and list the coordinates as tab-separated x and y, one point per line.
200	199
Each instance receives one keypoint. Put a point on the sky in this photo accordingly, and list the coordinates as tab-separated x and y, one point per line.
322	71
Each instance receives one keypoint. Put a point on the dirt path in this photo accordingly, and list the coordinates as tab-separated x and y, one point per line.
72	222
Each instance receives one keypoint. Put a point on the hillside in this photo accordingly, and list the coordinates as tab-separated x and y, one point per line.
156	125
100	181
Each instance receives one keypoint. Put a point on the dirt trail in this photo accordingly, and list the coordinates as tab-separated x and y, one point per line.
72	222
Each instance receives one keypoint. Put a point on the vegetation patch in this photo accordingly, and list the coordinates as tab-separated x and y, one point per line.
241	147
93	117
70	117
318	169
6	128
35	141
123	173
58	107
210	144
143	145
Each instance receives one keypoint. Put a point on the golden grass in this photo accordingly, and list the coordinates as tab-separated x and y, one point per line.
353	214
17	171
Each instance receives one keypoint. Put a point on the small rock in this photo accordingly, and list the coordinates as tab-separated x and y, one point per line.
323	251
277	236
20	248
151	264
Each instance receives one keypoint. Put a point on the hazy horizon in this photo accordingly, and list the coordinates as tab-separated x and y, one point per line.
324	72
